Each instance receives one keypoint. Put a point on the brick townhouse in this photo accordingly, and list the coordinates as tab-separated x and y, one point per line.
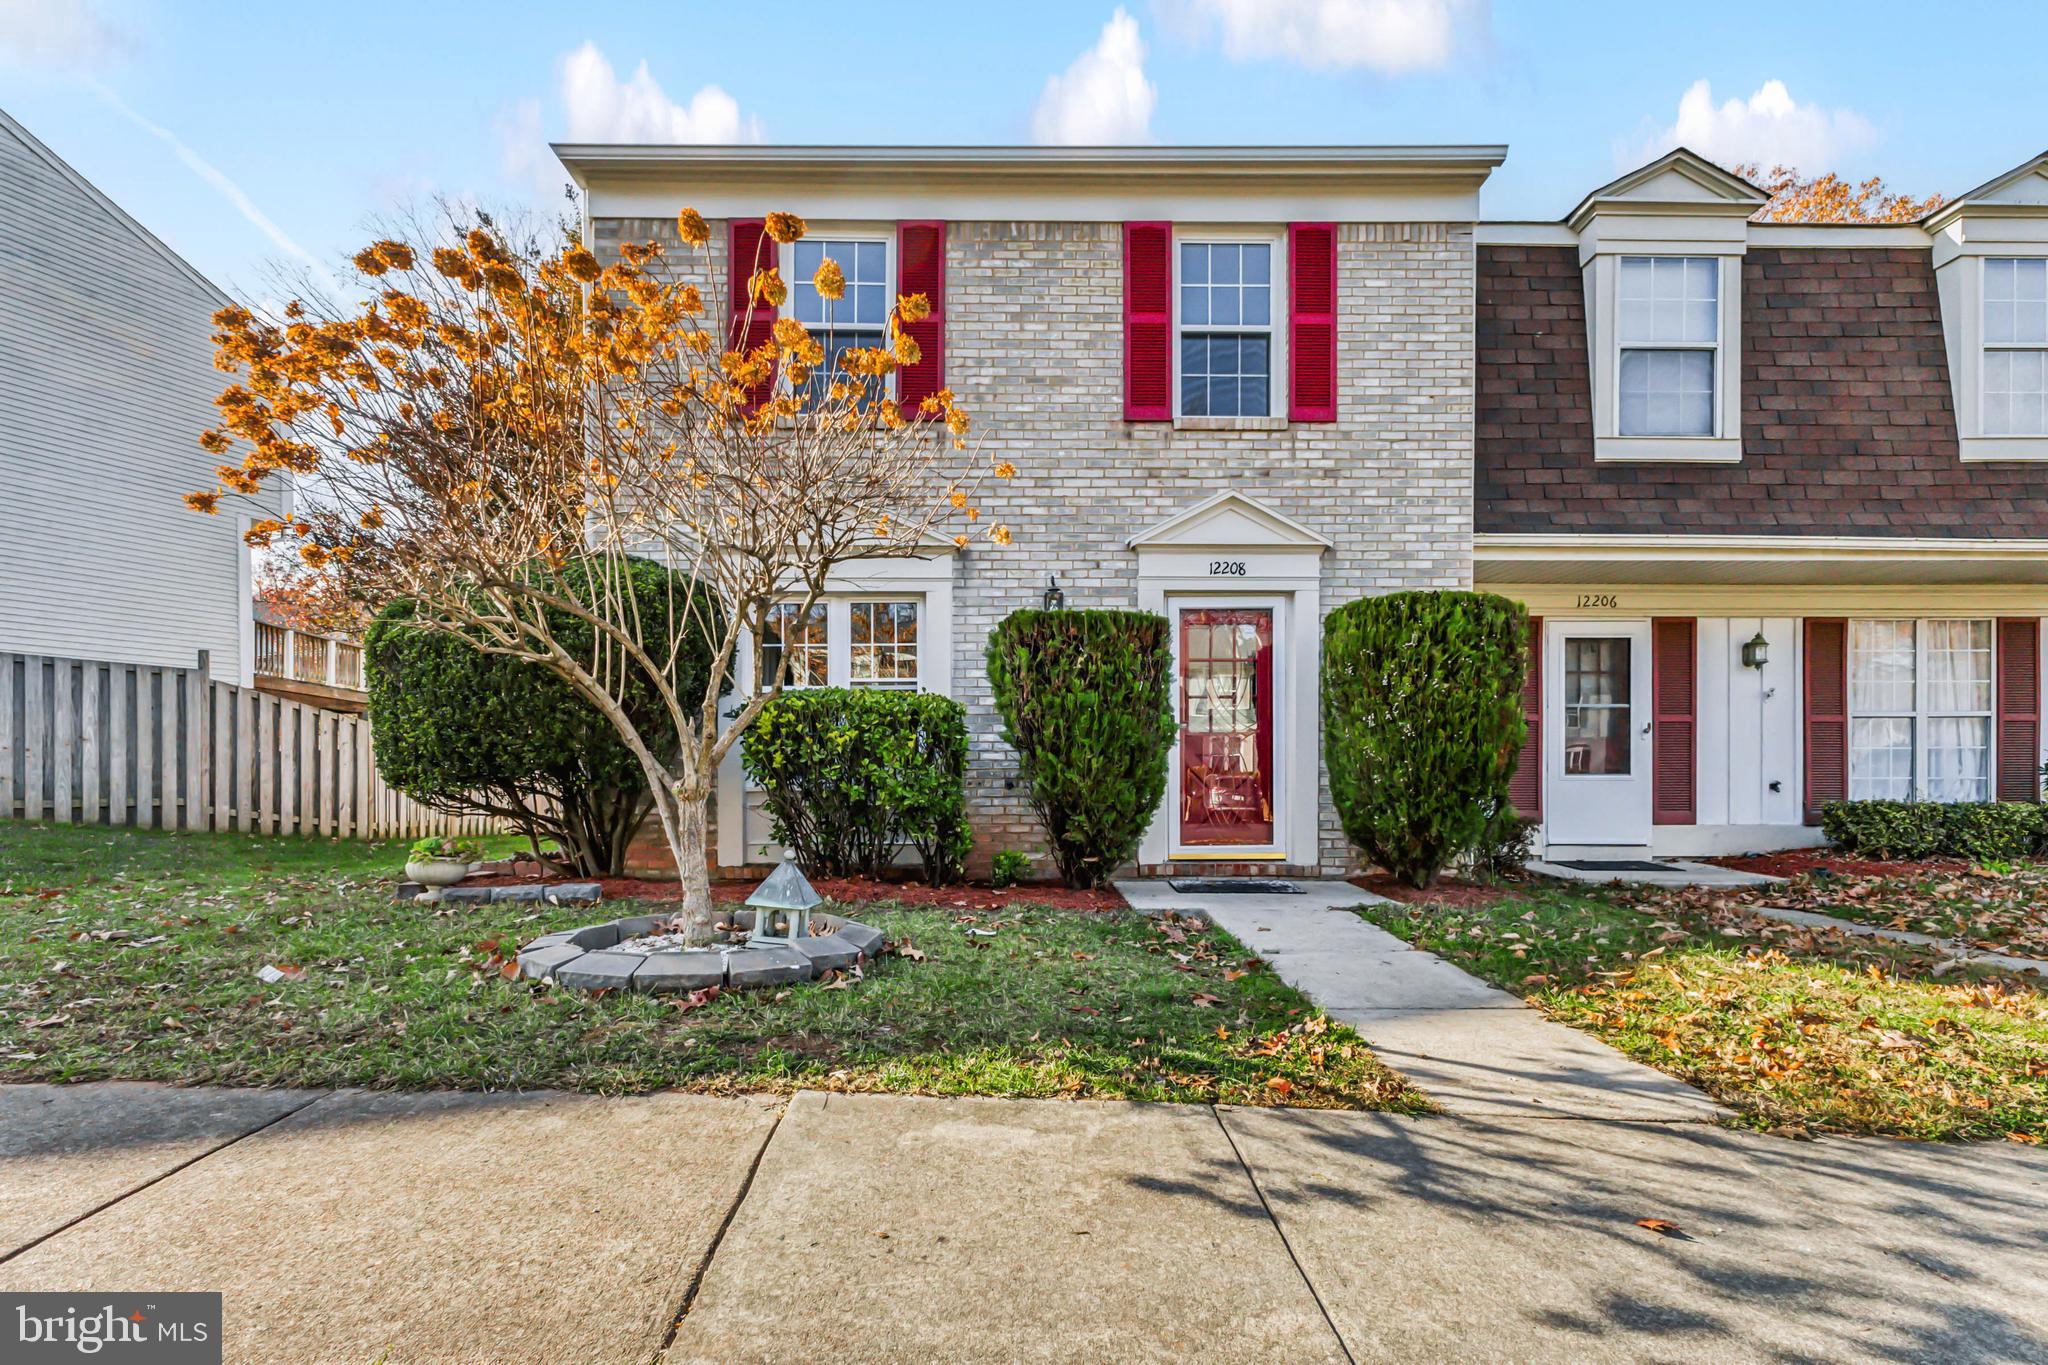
1775	492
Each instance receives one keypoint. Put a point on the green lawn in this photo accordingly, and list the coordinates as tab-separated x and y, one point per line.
1792	1028
134	955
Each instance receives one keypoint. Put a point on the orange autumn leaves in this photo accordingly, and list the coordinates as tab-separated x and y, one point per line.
467	348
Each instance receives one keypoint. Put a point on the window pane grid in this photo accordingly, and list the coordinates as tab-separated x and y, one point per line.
1920	698
1669	327
802	640
859	318
883	642
1226	322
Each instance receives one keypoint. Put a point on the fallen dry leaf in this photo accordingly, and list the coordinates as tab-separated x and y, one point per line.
1663	1227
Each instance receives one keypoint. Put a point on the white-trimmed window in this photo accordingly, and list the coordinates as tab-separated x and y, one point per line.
882	644
1668	329
859	318
2015	384
840	642
1920	707
1225	302
801	637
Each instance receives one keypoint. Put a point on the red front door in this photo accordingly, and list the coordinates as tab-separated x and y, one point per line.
1226	726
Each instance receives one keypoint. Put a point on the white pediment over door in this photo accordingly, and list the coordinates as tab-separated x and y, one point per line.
1229	521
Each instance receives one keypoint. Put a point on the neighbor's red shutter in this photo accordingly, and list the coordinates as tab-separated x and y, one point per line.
1148	322
1827	714
2019	709
1312	322
1674	687
748	249
1525	789
921	269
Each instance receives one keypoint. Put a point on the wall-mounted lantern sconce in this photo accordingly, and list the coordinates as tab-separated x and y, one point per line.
1756	651
1055	597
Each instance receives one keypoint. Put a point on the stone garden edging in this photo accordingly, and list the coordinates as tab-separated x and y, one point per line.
590	959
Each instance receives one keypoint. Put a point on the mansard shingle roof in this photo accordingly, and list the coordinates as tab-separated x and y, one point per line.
1848	428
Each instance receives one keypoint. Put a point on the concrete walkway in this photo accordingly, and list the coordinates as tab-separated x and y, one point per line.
1671	872
669	1228
1962	952
1472	1048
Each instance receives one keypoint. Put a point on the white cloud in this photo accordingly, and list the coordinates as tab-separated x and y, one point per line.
1103	99
599	107
65	34
1391	37
1770	128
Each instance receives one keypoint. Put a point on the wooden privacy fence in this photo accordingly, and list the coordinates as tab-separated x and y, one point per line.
84	742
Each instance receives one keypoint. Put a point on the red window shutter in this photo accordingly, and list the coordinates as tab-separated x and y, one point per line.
1827	714
748	249
1312	322
1674	748
921	269
1525	789
1148	322
2019	709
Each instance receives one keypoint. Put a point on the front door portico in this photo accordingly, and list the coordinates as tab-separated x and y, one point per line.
1241	585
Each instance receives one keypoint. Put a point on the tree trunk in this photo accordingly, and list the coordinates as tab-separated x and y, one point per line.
685	823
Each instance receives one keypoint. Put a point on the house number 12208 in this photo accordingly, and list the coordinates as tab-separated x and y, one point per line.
1226	568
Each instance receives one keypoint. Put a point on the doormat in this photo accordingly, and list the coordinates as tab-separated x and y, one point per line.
1233	886
1622	865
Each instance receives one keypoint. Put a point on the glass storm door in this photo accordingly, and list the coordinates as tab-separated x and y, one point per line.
1226	727
1598	700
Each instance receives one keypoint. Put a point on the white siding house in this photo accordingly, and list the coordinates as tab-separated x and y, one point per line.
106	381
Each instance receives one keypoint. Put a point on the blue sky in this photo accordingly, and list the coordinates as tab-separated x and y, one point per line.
243	132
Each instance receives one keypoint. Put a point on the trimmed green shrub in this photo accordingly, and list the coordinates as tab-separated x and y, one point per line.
474	733
1422	721
1983	831
853	773
1011	866
1086	702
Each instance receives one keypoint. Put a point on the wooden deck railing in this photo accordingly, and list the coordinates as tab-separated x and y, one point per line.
301	656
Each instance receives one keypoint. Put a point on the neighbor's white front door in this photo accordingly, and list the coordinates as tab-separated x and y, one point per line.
1596	733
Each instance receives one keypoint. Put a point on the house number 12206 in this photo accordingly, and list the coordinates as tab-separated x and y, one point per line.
1226	568
1597	599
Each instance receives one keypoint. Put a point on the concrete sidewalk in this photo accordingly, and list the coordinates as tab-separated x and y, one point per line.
548	1227
1472	1048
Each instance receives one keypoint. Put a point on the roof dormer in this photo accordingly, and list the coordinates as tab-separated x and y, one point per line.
1991	266
1662	253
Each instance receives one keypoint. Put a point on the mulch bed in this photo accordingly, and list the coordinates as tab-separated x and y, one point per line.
1795	862
846	890
1451	891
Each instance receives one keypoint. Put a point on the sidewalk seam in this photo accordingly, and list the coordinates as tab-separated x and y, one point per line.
162	1176
1287	1245
675	1322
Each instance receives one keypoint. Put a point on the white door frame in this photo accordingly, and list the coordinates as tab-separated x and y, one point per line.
1615	810
1230	549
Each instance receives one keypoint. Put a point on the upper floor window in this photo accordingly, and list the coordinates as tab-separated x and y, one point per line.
2015	388
1669	335
1226	328
860	318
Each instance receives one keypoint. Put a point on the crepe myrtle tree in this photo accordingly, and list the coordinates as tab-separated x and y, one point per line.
504	422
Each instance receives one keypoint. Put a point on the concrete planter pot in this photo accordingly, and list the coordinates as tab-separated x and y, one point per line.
436	874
